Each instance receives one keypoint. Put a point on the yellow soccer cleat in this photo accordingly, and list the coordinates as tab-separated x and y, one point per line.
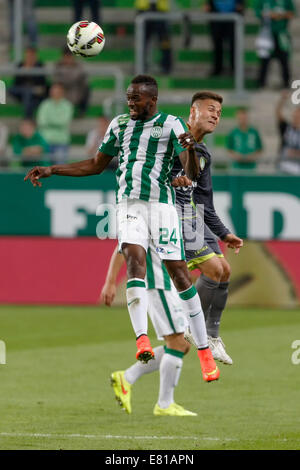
172	410
122	390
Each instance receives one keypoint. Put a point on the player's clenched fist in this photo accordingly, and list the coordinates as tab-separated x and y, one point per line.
181	181
36	173
186	140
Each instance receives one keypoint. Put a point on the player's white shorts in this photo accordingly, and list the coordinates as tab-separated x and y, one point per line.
166	312
139	222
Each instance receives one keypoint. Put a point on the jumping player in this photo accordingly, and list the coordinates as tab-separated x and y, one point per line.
205	253
146	142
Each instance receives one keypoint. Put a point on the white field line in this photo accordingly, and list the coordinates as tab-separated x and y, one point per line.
110	436
145	438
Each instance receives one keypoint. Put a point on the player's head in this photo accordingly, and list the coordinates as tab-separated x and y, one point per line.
142	97
205	111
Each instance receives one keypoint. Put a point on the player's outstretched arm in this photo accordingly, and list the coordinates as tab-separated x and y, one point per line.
188	158
109	289
92	166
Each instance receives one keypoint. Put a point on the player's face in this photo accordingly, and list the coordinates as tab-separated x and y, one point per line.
140	102
205	115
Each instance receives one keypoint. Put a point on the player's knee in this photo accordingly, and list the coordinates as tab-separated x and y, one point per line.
180	278
216	272
226	272
135	268
135	262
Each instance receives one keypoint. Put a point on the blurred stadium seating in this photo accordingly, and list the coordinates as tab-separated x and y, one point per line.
190	70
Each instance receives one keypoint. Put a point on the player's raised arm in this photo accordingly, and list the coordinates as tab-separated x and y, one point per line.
188	157
92	166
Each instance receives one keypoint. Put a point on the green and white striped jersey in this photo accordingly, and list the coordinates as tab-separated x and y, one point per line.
157	276
146	151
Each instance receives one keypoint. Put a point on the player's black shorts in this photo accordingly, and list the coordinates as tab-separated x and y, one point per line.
200	243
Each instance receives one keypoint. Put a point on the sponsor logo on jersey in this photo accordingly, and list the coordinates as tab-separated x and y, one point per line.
202	249
131	217
159	249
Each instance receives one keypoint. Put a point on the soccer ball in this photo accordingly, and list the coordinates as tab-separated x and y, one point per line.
85	38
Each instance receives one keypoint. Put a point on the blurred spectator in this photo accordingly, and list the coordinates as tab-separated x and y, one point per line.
54	117
95	6
159	28
29	145
95	136
71	74
222	32
274	16
29	19
244	143
3	144
289	161
29	89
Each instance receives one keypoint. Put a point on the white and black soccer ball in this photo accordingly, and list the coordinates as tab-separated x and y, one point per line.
85	38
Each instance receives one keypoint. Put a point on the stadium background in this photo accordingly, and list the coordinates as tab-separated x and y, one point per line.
259	206
51	256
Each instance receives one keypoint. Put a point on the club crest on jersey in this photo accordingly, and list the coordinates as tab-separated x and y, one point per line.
202	162
156	132
123	119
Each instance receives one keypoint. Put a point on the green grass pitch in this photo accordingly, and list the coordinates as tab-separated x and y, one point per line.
56	394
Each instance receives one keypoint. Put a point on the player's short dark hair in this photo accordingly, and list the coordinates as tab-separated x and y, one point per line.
148	81
207	95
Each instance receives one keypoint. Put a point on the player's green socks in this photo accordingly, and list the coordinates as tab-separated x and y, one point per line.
133	373
169	373
206	289
218	305
137	303
192	305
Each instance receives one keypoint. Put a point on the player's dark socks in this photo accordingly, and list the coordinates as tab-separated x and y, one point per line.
206	289
218	305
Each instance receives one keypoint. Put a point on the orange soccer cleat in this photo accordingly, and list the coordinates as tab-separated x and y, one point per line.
209	368
145	351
